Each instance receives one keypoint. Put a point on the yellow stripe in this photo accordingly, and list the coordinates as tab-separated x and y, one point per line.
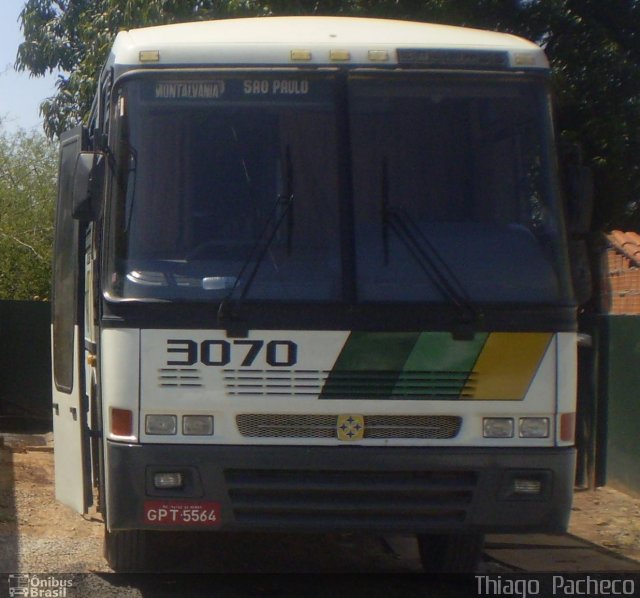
507	364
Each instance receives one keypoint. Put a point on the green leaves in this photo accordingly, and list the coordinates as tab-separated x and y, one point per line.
593	45
28	164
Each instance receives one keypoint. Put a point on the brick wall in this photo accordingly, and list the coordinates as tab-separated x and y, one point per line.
621	288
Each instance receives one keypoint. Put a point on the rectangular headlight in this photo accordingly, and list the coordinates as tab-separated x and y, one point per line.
165	480
527	486
197	425
497	427
534	427
161	424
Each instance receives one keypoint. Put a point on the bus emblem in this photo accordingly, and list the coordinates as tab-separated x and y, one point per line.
350	427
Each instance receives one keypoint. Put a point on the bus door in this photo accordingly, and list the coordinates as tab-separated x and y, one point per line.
71	434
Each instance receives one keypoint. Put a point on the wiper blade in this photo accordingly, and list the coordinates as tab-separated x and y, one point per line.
429	260
282	209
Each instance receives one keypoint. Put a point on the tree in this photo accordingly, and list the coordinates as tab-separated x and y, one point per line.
593	45
594	48
74	36
28	166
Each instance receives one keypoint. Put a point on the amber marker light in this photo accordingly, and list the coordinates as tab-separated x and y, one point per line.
378	55
300	55
149	56
567	427
339	55
121	422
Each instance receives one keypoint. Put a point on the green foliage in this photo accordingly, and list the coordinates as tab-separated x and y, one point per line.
594	48
593	45
27	195
74	36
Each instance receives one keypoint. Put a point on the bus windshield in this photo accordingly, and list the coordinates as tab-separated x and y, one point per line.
446	173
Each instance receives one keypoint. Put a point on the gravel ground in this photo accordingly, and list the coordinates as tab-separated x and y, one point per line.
608	518
51	536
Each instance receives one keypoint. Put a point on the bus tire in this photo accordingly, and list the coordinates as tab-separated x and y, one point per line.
127	550
450	553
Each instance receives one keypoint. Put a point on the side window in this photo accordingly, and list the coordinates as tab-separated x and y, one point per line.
65	265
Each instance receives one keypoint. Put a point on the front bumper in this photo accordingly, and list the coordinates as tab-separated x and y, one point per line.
327	489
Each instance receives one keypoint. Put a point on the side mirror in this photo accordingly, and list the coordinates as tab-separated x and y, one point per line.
88	179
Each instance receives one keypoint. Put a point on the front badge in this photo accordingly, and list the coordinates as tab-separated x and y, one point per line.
350	427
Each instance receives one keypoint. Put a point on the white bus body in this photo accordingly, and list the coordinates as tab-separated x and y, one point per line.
311	275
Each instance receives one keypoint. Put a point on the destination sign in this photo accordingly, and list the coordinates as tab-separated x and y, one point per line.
189	89
240	89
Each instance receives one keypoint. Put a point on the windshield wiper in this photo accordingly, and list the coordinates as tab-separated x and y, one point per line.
282	209
429	260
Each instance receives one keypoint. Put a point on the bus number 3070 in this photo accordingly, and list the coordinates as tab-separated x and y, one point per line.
221	352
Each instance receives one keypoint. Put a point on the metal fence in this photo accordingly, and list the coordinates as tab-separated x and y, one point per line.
25	366
619	397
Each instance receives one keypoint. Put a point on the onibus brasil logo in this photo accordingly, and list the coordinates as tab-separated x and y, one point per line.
39	586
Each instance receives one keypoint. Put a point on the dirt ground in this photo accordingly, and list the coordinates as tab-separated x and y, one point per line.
27	504
604	516
608	518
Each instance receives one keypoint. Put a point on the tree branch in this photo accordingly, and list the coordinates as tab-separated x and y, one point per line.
23	244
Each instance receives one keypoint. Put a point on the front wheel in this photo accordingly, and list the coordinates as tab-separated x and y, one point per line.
450	553
127	550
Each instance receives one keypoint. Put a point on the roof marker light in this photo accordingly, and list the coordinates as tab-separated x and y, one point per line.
149	56
300	55
340	55
378	55
524	60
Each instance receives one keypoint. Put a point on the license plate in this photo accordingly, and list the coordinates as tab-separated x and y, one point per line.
182	512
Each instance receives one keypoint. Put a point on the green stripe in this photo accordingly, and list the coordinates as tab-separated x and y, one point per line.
397	365
366	353
439	352
386	351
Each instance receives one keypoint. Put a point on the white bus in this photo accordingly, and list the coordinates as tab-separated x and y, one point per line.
311	275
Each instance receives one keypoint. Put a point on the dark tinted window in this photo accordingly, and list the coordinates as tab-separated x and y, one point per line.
65	266
213	171
456	170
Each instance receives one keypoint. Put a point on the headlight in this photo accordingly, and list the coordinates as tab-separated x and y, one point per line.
534	427
497	427
197	425
161	424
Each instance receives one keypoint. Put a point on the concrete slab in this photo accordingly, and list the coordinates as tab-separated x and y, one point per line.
559	553
534	540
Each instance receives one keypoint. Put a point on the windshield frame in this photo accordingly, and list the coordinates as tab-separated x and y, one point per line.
345	227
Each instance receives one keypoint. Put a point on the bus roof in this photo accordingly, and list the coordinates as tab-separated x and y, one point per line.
297	41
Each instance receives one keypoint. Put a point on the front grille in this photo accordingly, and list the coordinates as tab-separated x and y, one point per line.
268	425
412	426
350	499
351	384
